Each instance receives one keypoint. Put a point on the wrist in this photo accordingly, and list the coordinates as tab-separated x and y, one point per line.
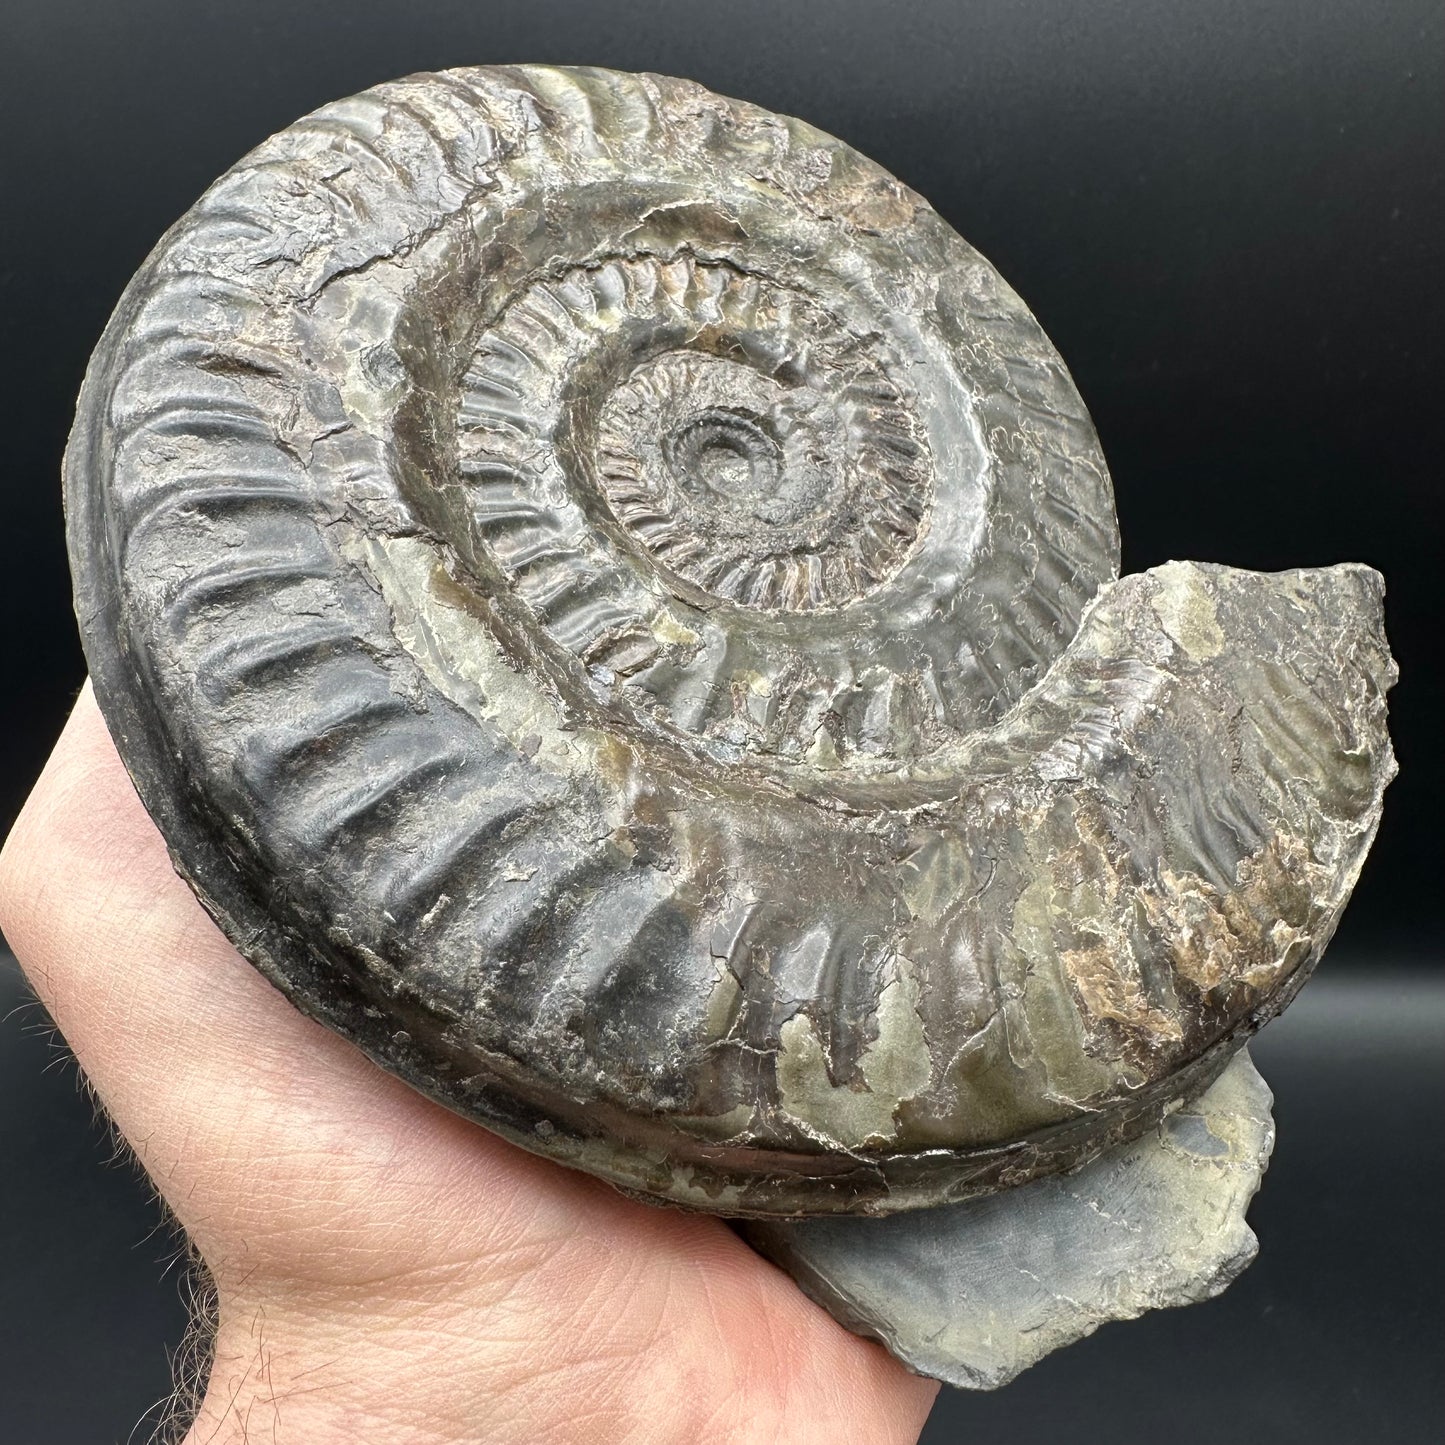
332	1372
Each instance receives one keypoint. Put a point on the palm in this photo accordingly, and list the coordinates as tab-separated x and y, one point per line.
387	1271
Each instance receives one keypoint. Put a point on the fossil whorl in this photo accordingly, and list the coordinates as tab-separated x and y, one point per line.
612	605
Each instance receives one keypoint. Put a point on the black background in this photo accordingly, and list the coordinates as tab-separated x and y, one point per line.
1230	218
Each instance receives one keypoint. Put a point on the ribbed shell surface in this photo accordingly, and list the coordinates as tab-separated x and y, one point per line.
612	605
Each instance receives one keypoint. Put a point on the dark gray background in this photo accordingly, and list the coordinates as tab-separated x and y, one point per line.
1230	218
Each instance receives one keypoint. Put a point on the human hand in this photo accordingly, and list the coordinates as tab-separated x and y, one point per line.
385	1271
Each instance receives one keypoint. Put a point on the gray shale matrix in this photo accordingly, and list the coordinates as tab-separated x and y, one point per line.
614	607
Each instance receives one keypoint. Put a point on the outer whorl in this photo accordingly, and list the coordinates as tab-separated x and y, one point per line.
612	605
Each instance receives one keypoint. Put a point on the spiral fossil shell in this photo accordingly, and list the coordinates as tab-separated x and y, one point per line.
612	604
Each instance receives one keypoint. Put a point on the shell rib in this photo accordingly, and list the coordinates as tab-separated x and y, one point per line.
612	604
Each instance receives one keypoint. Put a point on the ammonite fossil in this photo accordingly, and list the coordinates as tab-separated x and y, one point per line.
614	607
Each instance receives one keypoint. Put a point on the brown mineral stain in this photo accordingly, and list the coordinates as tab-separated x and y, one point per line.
1109	992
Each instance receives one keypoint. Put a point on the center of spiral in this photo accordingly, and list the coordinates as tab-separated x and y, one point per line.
740	442
730	460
